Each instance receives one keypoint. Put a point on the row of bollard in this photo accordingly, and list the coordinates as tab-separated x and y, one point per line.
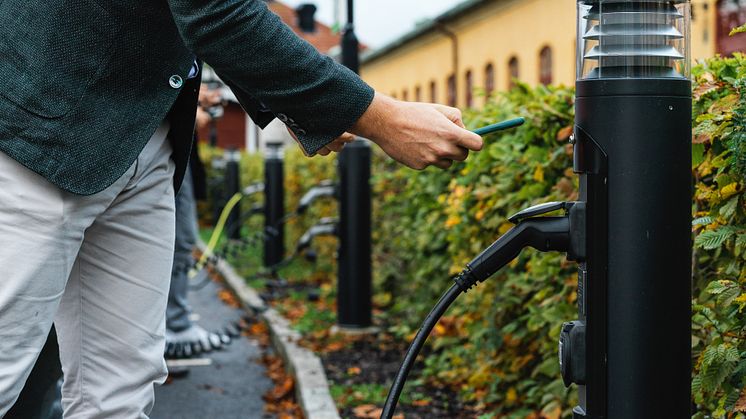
354	277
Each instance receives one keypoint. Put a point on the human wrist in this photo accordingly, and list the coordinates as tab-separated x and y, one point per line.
377	119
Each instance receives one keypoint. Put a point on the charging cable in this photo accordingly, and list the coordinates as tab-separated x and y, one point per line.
563	234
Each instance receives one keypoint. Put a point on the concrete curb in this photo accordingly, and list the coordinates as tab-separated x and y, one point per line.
311	385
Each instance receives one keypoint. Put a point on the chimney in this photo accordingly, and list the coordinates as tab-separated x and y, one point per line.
306	20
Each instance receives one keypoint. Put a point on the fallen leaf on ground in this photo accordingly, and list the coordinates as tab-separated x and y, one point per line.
228	298
741	403
281	390
213	389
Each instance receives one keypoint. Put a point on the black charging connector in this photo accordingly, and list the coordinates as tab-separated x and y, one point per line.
557	233
564	233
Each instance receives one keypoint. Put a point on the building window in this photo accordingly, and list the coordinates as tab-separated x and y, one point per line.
405	95
433	92
545	66
730	14
418	93
469	82
513	71
489	79
451	83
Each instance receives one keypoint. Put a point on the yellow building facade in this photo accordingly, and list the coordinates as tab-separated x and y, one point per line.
483	40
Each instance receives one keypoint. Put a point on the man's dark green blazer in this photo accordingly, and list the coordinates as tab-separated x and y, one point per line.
85	83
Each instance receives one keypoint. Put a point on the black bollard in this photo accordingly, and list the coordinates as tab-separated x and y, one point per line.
354	288
232	187
629	352
274	205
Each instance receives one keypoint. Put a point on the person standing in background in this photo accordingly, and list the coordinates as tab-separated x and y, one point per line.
184	338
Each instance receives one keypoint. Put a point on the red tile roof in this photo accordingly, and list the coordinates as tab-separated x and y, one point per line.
323	39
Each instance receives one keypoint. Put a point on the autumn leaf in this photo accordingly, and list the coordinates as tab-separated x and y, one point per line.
740	29
729	190
512	396
741	403
565	133
705	88
554	413
701	138
453	221
539	174
228	298
367	411
281	390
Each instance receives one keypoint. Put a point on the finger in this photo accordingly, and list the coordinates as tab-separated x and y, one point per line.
324	151
456	119
455	152
346	138
453	114
443	164
335	146
469	140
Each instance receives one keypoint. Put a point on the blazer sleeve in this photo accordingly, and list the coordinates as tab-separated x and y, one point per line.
271	69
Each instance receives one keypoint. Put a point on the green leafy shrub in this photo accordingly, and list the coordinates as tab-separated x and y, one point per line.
719	167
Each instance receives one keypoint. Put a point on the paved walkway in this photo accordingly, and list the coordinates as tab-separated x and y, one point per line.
232	387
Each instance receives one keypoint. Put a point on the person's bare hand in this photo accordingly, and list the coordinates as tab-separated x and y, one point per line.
209	97
337	145
202	119
417	135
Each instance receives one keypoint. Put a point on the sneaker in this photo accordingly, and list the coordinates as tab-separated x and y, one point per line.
192	342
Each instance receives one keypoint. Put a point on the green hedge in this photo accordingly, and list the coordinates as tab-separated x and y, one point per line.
498	344
719	167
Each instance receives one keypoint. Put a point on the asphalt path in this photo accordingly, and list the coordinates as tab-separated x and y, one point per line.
230	387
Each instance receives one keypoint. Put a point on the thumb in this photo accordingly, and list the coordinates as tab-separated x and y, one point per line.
464	137
453	114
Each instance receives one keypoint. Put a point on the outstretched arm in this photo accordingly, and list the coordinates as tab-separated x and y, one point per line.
314	96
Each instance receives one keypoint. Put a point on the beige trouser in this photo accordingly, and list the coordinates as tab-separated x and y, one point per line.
99	267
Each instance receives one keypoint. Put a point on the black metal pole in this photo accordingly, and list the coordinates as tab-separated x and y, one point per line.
354	290
350	43
233	186
274	205
213	133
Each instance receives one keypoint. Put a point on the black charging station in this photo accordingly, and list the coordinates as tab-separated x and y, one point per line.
633	155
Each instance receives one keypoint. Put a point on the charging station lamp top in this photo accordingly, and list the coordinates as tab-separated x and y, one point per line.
633	39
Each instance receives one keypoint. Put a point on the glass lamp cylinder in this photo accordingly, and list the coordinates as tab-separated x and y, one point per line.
633	39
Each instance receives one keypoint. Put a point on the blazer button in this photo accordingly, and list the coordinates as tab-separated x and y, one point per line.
176	81
282	117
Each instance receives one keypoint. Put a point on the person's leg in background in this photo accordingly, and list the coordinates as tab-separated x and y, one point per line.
183	337
178	310
40	397
111	320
